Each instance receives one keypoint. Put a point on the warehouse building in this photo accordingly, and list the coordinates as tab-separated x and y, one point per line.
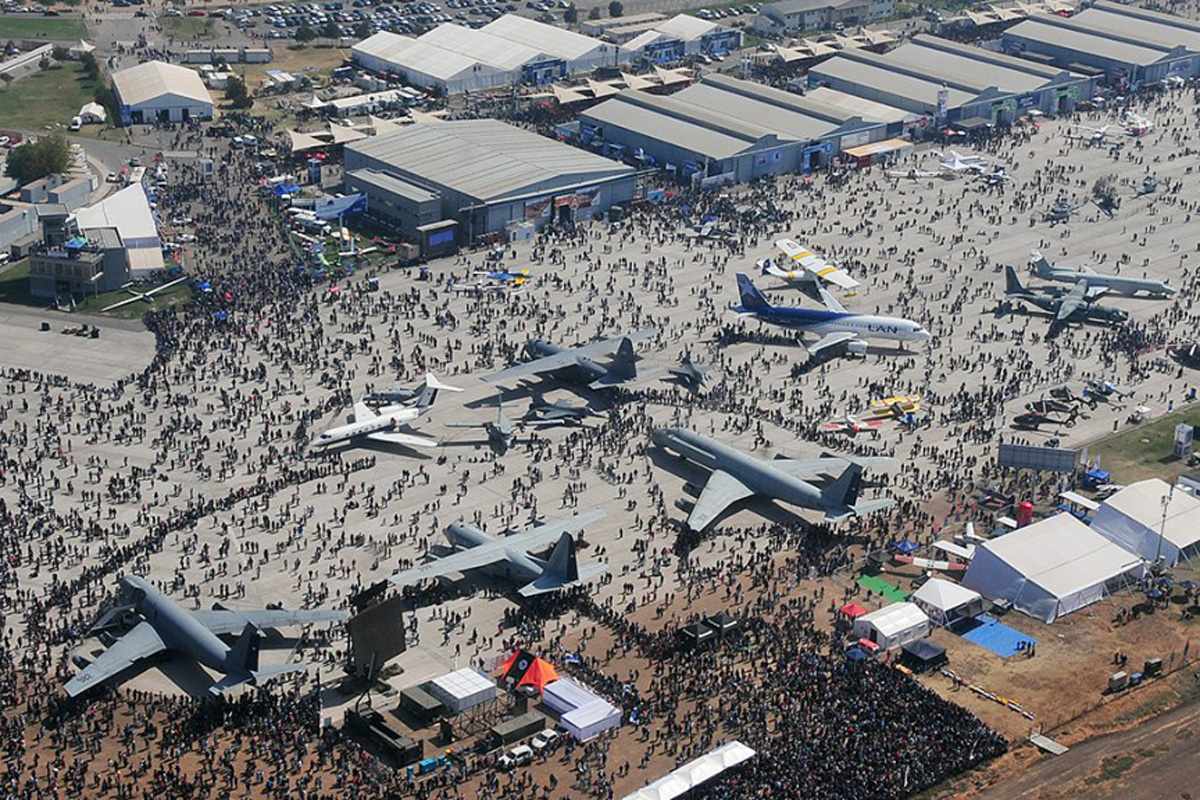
511	50
159	92
1125	42
487	176
623	28
792	16
723	129
953	82
681	36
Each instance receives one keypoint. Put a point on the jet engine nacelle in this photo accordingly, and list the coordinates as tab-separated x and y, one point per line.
856	348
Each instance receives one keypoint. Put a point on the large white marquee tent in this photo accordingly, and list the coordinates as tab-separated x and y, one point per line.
1051	568
1133	518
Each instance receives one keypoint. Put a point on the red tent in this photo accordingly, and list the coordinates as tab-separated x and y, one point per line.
853	610
525	669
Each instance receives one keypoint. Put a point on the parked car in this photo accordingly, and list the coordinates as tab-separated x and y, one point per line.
544	739
517	757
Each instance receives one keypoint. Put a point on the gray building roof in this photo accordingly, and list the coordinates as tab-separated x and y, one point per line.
1047	33
656	123
485	159
964	68
855	106
786	7
786	124
872	76
393	185
1151	28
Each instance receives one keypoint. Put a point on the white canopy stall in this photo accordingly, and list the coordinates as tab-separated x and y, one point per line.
945	602
694	773
893	626
584	714
462	690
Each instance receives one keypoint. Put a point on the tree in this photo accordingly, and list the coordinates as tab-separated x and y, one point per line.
615	9
305	33
105	96
90	67
33	160
362	30
236	93
594	13
44	63
571	15
330	30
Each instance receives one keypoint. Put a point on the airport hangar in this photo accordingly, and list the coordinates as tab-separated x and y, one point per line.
480	177
954	83
510	50
734	130
159	92
1126	42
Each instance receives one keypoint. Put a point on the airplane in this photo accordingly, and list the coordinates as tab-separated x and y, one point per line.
895	407
500	433
736	476
708	231
1050	405
147	296
163	626
1071	307
1115	283
837	326
509	556
560	412
1135	124
1093	136
689	373
494	281
1149	186
915	174
959	163
812	267
851	425
390	424
996	177
1061	211
577	363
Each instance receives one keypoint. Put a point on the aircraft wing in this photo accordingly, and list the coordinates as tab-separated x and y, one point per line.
808	468
539	537
471	558
721	491
232	621
830	301
141	642
1071	302
406	439
538	366
363	412
829	340
815	264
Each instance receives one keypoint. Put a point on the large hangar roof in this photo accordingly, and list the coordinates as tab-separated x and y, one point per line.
923	91
788	124
480	46
1154	29
153	79
485	159
549	39
962	69
686	27
855	106
1049	33
418	56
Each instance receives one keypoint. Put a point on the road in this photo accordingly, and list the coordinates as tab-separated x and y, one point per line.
1154	761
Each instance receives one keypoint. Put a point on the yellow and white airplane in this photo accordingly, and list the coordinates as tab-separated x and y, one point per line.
812	267
894	407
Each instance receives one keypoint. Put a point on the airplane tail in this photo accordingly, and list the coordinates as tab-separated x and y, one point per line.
1012	284
563	563
243	656
623	366
752	298
1041	267
428	395
562	569
844	491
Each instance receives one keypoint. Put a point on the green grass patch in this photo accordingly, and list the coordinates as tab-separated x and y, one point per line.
1114	767
188	27
878	585
14	286
1145	451
47	98
62	29
176	295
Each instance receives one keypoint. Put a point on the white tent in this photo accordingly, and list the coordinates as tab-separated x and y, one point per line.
893	626
1051	568
1133	518
92	113
945	601
694	773
462	689
583	713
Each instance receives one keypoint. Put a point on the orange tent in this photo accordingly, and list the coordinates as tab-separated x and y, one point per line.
525	669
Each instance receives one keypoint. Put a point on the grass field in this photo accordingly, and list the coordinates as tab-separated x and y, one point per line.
176	295
1146	450
189	27
62	29
45	98
14	286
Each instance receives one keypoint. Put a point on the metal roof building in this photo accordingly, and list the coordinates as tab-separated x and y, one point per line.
1126	42
935	76
578	53
427	65
160	92
723	128
679	36
489	175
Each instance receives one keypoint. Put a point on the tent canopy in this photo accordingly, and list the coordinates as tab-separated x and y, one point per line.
694	773
853	610
1133	519
945	601
526	669
893	625
462	689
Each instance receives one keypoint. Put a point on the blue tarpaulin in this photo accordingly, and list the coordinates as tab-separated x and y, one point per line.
286	188
906	547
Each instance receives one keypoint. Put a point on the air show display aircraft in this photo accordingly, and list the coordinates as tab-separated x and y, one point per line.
812	267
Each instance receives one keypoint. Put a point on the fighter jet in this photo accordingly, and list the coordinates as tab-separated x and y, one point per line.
1149	186
390	424
544	413
736	476
957	162
813	269
1071	307
577	364
689	373
1093	136
1114	283
500	433
839	328
1062	210
509	556
162	626
708	230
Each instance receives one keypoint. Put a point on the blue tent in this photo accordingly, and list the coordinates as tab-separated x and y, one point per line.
905	547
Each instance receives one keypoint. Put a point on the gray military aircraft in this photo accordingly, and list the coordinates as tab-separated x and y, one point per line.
689	373
500	433
1118	284
509	556
578	364
544	413
161	625
1074	306
1062	210
736	476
